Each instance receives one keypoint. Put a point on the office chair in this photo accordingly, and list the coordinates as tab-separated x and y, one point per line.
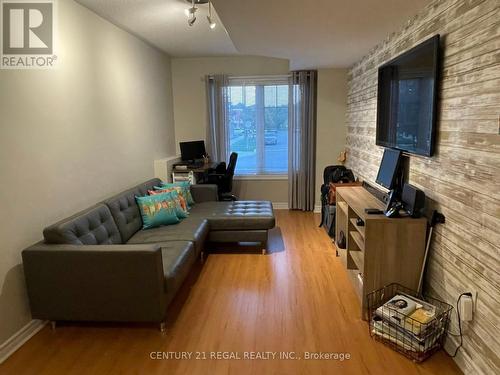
223	178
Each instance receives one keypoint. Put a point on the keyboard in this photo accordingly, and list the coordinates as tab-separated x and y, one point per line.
184	166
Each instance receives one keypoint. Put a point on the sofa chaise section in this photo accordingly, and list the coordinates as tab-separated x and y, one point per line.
238	221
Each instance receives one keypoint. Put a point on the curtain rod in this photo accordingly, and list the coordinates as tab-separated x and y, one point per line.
264	76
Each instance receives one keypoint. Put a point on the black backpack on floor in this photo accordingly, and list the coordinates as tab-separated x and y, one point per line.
334	174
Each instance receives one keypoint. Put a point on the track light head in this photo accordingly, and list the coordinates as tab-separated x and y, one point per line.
192	13
211	22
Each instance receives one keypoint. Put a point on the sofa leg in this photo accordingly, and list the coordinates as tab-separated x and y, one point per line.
202	256
53	324
264	251
163	327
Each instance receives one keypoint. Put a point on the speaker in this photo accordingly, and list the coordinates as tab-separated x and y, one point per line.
413	200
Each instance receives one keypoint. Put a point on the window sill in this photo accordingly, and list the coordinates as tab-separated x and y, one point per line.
268	177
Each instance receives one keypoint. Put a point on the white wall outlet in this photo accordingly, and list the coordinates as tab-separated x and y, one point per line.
468	305
466	308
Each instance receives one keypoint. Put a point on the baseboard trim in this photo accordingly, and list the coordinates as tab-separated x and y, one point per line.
284	206
19	338
280	205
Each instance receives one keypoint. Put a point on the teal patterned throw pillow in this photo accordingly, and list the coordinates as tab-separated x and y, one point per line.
157	210
186	189
179	211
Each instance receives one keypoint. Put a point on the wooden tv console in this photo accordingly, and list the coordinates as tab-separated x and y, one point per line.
384	250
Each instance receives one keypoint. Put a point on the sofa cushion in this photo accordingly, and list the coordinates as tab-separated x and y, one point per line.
204	193
94	226
194	228
125	210
239	215
177	258
211	208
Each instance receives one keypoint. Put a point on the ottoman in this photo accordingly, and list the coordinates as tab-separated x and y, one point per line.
242	221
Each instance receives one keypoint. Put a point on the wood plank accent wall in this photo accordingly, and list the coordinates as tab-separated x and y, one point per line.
463	179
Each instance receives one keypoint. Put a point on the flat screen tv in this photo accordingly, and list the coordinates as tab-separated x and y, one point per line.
407	91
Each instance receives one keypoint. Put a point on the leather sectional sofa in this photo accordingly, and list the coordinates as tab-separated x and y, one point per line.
100	265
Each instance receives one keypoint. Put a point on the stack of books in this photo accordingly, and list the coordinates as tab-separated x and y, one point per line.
407	322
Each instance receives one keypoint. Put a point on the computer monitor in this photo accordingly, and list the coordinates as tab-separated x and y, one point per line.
390	169
192	150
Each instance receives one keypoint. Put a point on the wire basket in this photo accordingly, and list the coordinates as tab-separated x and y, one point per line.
412	335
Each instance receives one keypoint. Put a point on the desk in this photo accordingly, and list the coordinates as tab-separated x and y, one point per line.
383	250
192	173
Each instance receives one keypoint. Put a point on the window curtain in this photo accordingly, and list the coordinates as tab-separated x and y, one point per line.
302	140
216	87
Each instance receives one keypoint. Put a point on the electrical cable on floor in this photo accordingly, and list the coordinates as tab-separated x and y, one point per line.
459	326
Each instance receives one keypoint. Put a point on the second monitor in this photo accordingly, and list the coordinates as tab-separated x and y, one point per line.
390	169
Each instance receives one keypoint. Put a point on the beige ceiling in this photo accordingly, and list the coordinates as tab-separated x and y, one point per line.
310	33
163	24
313	33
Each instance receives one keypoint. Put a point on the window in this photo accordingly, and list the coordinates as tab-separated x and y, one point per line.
257	125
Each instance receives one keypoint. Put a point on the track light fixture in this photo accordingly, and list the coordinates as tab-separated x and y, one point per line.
191	13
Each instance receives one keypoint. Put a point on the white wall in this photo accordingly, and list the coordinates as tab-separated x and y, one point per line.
331	127
190	108
75	135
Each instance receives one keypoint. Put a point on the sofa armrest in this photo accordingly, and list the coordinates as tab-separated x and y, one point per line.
95	282
204	193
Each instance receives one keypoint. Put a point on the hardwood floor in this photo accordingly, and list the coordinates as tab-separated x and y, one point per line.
296	299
